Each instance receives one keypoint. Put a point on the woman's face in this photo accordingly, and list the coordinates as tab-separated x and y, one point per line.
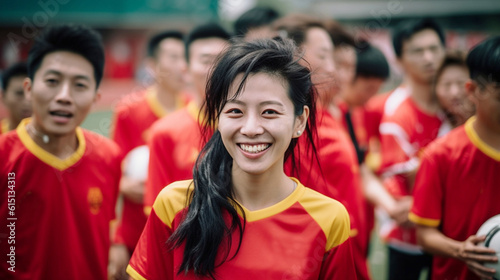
450	90
258	125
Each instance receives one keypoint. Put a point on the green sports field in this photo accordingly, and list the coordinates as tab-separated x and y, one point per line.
100	122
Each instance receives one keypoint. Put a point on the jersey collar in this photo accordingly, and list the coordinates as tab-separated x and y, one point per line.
480	144
46	157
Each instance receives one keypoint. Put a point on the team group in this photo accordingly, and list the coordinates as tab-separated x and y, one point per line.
269	152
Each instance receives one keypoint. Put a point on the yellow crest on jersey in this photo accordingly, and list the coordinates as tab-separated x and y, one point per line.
94	198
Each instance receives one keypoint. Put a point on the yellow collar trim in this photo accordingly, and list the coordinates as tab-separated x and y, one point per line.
155	106
47	157
474	138
5	127
276	208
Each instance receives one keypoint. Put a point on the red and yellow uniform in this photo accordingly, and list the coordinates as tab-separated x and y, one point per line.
133	117
304	236
455	190
405	131
63	208
175	143
337	177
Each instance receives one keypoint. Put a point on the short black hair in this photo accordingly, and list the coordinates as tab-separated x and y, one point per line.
406	29
78	39
253	18
339	34
15	70
484	61
155	40
371	62
204	31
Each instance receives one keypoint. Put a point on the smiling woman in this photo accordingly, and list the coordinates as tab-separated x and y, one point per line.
245	219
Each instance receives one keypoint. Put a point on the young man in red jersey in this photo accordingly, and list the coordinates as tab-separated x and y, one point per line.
133	117
13	96
63	180
457	182
412	119
176	139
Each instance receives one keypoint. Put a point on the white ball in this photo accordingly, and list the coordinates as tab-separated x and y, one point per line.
136	163
491	228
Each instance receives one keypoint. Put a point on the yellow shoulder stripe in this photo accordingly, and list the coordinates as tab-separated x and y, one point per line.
423	221
134	274
330	215
172	199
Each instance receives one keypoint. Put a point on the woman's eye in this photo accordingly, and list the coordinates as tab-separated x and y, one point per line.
233	111
269	112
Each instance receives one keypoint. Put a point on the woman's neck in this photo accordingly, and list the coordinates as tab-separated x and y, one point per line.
257	192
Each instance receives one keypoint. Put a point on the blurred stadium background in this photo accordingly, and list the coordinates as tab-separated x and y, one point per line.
127	24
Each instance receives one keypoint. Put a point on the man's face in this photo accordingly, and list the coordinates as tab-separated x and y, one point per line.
421	55
345	62
450	91
170	64
486	97
318	52
202	55
14	99
62	92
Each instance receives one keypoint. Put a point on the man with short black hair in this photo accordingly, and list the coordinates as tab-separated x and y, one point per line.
412	119
62	180
13	96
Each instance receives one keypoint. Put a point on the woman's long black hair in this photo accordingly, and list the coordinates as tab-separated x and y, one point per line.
204	227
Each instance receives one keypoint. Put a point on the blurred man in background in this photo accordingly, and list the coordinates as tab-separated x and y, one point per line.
132	119
18	106
412	119
176	139
457	183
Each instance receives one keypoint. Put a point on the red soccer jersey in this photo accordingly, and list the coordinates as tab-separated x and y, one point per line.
359	123
405	131
175	143
133	117
337	177
304	236
455	190
62	208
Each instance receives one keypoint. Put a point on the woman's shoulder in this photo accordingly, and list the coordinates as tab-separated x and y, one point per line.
172	199
330	214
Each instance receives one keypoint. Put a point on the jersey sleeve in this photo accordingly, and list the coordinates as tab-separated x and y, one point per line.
151	258
338	260
399	157
428	193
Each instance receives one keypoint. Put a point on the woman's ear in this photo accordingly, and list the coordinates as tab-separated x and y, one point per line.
301	122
